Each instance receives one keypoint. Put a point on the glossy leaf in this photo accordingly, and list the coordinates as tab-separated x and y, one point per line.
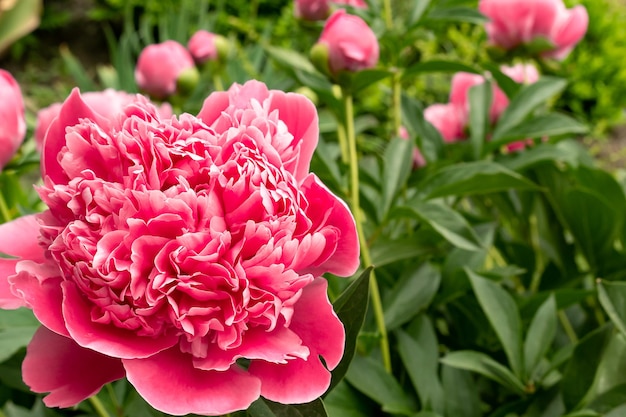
16	329
351	307
503	314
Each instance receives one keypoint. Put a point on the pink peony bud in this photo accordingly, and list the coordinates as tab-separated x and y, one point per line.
159	67
352	45
354	3
12	122
108	104
449	119
312	9
546	23
205	46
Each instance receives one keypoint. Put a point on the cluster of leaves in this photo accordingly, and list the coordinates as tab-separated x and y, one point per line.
502	275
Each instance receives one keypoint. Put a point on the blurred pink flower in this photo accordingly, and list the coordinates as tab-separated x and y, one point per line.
159	67
312	9
172	248
352	45
449	119
459	94
418	158
355	3
202	46
519	22
12	122
108	103
521	73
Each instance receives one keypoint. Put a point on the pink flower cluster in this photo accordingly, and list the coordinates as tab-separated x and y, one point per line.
12	121
521	22
451	119
184	253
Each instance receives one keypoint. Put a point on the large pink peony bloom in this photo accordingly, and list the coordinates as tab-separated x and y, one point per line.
12	122
182	253
519	22
107	103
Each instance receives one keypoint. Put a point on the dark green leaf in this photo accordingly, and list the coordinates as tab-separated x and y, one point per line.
612	296
365	78
16	329
541	126
290	59
580	372
458	14
444	220
480	177
527	100
567	151
483	364
266	408
540	334
385	251
503	314
370	377
462	398
411	294
413	118
480	97
438	66
351	307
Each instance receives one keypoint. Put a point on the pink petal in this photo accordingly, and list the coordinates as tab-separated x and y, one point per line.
300	116
213	106
169	382
70	373
569	30
72	110
461	84
345	260
18	238
110	340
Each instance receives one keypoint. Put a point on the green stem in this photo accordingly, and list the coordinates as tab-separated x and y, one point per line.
217	82
539	261
396	107
98	406
567	326
356	210
113	397
387	13
4	210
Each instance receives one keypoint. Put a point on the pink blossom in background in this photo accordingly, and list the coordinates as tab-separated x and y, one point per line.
448	119
108	103
312	9
12	122
159	66
521	73
418	158
462	82
352	45
518	22
173	247
355	3
202	46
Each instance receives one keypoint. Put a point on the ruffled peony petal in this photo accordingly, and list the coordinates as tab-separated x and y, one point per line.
322	202
213	107
169	382
300	116
73	109
110	340
18	238
57	365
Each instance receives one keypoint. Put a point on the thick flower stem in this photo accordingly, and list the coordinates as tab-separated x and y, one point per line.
98	406
387	13
356	210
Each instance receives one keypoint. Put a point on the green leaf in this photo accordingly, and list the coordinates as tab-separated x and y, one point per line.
266	408
438	66
505	83
419	7
351	307
365	78
540	335
503	314
385	251
398	161
370	377
541	126
566	151
290	59
480	97
527	100
76	70
462	398
18	21
580	372
16	329
444	220
458	14
423	369
612	296
483	364
345	401
411	294
432	144
479	177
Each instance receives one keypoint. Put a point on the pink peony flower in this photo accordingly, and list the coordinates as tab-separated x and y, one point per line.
312	9
205	46
12	122
352	45
459	94
521	73
418	158
448	119
108	103
520	22
184	253
160	66
354	3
